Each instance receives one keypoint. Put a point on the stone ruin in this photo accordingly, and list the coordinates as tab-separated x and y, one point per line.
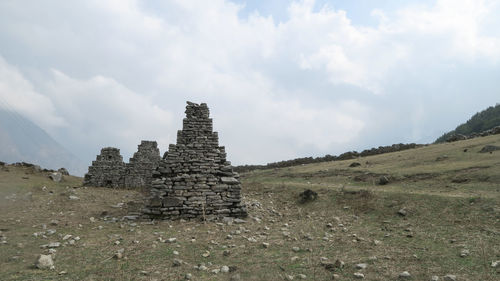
109	170
139	170
194	179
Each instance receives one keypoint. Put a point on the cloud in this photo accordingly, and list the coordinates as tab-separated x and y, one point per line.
18	94
114	72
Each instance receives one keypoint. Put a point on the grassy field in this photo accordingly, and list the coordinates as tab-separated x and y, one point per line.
451	198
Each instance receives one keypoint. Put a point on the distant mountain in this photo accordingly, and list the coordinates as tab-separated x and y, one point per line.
23	141
478	123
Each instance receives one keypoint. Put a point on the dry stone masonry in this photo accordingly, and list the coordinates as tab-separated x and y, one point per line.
107	170
139	170
194	179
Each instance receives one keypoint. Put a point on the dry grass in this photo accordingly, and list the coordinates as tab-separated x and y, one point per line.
443	219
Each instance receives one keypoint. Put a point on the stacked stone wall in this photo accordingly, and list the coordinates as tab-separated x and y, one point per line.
107	170
139	170
194	179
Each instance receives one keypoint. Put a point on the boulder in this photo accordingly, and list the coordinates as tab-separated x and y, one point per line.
56	176
63	171
308	196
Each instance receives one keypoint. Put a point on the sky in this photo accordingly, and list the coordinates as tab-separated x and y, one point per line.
283	79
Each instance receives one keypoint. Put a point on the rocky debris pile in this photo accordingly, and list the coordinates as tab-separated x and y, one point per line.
107	170
344	156
307	196
489	148
139	170
459	137
194	179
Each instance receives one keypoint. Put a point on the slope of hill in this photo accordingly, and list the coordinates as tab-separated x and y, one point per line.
23	141
480	122
438	215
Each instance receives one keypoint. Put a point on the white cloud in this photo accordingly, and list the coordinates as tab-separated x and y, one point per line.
18	94
315	82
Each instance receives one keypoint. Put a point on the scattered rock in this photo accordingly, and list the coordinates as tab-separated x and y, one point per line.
302	276
361	266
224	269
239	221
206	254
308	196
73	197
289	277
45	262
188	276
405	275
63	171
296	249
450	277
54	222
403	212
57	176
489	148
177	262
359	275
495	264
265	245
464	253
354	164
383	180
434	278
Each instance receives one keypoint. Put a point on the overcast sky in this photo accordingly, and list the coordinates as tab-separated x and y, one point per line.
283	79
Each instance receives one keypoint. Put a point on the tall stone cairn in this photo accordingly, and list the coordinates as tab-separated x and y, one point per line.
139	170
107	170
194	179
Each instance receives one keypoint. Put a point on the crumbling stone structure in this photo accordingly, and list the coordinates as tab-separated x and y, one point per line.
139	170
107	170
194	179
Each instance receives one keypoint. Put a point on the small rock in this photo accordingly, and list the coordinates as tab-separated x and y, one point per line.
294	258
188	276
383	180
404	275
265	245
239	221
171	240
177	262
296	249
73	197
495	264
289	277
62	273
403	212
302	276
434	278
359	275
450	277
67	236
57	177
335	277
464	253
224	269
45	262
361	266
226	253
215	271
54	222
206	254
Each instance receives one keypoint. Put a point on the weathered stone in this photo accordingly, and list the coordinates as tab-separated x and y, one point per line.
45	262
194	179
56	176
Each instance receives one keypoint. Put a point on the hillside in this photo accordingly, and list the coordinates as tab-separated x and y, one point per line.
23	141
438	215
480	122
